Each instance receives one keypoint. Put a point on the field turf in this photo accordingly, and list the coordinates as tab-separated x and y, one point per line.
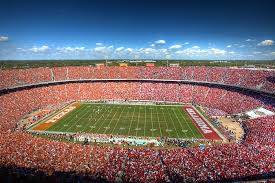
130	120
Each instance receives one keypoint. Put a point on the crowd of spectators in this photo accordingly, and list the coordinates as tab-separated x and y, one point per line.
16	104
251	78
254	156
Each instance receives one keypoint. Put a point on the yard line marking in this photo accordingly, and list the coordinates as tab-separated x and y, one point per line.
118	119
80	117
181	112
110	111
179	121
54	127
164	116
159	122
151	121
138	119
96	118
70	119
94	108
131	120
172	122
144	121
112	118
85	111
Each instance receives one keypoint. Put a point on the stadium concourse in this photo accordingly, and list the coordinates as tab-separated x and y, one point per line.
251	158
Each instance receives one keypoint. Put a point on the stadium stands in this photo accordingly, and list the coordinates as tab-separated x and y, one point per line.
254	79
254	156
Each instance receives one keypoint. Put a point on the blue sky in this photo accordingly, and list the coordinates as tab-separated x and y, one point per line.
137	29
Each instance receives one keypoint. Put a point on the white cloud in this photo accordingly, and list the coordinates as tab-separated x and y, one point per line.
71	49
216	51
152	45
228	46
103	52
176	46
100	49
186	43
161	41
231	52
266	43
163	50
273	53
120	49
99	44
41	49
196	47
202	53
257	52
242	46
129	50
4	38
249	40
191	51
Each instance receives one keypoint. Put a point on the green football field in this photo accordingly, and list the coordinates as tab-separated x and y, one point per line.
129	120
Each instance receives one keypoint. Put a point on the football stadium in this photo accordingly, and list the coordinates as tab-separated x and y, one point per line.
103	123
137	91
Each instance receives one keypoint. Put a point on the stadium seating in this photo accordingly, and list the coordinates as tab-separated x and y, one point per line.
254	79
254	156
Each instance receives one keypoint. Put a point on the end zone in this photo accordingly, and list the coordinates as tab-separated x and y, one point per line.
204	127
55	118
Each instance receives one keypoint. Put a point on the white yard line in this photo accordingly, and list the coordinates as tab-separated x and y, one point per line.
79	118
138	120
104	118
144	121
152	121
159	121
188	124
179	122
111	120
164	116
172	122
131	120
95	117
70	120
118	119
